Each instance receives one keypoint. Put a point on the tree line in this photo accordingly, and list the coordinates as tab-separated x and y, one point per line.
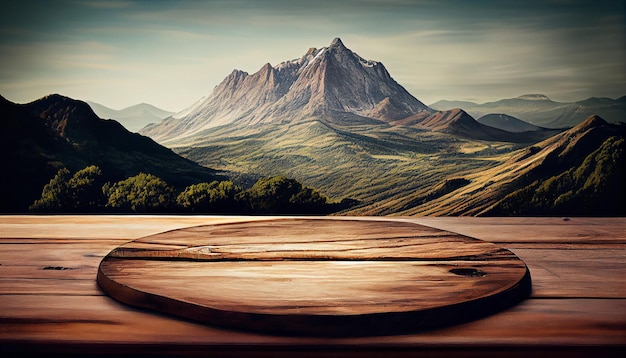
88	191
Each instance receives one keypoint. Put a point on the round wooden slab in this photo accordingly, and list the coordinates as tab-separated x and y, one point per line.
317	276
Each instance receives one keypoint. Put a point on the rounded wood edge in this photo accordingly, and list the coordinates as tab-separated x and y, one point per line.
375	324
361	325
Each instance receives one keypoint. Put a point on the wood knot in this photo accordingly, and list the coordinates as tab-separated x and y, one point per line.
59	268
469	272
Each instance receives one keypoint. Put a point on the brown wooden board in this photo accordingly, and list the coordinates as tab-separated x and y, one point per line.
316	276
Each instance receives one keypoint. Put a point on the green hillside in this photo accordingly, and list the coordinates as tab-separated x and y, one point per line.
596	187
370	163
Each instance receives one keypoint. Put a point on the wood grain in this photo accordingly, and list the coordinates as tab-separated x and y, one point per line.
575	309
316	276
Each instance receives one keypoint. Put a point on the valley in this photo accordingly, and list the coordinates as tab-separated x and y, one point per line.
369	164
341	126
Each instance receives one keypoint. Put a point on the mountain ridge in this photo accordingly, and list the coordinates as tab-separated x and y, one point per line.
508	123
546	167
332	84
540	110
335	121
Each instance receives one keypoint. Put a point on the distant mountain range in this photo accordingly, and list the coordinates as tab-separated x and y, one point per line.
40	137
132	118
539	110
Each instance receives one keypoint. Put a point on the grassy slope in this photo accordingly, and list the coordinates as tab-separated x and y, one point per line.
375	165
581	170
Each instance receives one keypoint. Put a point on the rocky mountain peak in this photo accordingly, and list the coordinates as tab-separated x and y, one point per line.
266	68
328	83
337	43
311	51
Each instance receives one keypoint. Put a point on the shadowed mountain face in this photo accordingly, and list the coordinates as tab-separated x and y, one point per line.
43	136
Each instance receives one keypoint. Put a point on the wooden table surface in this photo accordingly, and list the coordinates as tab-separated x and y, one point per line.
50	301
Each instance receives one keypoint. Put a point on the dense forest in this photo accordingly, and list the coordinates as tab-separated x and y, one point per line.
88	191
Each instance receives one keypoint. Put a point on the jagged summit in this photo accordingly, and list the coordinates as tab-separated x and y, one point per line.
330	84
337	43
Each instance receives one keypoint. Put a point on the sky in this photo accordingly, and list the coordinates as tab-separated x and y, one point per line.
172	53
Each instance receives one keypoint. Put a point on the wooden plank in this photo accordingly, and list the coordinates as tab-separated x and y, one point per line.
534	322
52	261
497	230
534	230
63	315
576	273
101	226
580	273
49	286
573	272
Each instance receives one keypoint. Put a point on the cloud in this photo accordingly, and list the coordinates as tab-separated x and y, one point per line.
436	49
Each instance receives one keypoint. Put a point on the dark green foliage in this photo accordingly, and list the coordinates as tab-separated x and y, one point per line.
281	195
55	194
86	191
81	192
140	193
272	195
86	188
214	197
594	188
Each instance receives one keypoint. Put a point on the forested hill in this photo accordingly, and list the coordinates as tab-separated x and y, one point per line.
55	132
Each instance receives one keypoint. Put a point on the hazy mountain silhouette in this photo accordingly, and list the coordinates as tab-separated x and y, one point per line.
456	121
507	123
132	118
